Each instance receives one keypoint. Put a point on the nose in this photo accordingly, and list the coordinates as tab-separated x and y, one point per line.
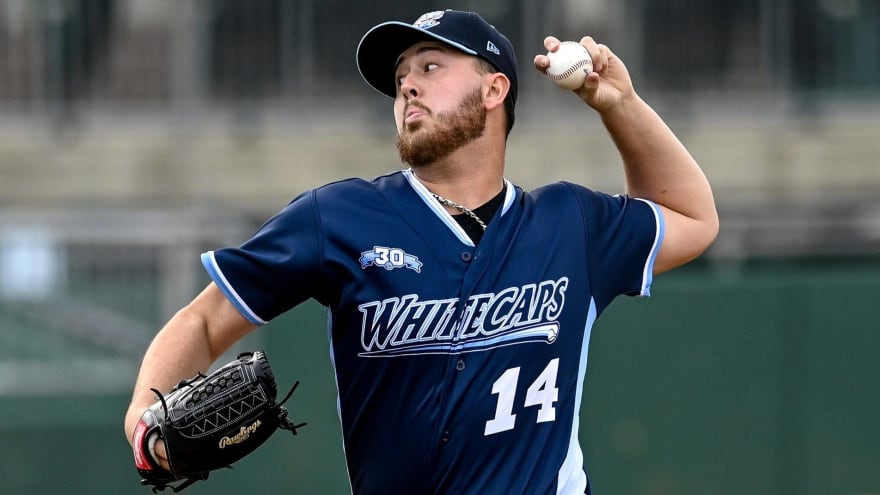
408	87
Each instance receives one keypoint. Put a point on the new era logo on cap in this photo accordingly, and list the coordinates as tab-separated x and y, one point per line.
379	49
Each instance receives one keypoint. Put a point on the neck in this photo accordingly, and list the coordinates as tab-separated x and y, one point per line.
464	180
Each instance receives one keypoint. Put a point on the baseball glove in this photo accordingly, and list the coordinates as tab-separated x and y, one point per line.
209	422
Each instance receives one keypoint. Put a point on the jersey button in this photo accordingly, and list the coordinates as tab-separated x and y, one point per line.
445	437
460	365
466	256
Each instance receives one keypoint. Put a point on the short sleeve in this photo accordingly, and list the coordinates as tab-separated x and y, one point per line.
278	268
624	235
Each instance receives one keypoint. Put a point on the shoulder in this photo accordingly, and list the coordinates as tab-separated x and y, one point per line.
596	208
586	197
560	188
350	200
353	187
563	192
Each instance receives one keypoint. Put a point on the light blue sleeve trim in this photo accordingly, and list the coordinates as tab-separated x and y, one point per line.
648	273
210	264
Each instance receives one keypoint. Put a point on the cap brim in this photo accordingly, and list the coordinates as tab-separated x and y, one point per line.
380	48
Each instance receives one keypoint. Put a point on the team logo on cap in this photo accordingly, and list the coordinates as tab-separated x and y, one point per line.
429	20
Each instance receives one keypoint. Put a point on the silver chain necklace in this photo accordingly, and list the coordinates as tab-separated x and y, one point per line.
453	204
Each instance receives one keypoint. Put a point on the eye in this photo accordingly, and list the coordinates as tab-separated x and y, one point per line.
428	67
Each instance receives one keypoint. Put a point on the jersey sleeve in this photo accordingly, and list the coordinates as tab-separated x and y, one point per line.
624	235
278	268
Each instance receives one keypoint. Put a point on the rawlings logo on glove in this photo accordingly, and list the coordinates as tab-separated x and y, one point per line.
210	422
242	435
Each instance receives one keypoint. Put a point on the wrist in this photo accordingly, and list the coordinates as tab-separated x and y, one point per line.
132	418
627	107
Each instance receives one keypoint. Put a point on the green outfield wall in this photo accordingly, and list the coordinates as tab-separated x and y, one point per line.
756	378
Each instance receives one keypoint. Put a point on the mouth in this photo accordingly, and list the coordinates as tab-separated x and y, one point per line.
413	113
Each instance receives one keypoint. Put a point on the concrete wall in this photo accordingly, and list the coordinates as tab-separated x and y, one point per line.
261	169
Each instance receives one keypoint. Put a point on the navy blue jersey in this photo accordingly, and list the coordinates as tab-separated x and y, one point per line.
459	367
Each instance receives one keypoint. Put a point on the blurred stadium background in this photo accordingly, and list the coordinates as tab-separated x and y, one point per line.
135	134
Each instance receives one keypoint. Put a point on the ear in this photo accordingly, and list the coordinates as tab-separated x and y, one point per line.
495	89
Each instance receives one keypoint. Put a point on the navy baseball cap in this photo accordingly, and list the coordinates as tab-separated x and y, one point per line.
380	49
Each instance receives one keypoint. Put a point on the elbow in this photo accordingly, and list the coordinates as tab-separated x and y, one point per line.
713	227
707	233
703	227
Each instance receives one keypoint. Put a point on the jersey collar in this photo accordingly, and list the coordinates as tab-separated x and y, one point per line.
444	215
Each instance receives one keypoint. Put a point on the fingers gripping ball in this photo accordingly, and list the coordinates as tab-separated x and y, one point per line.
569	65
209	422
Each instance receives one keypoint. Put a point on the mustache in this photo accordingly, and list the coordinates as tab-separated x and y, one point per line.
415	104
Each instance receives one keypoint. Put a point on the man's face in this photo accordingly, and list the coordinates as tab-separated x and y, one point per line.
439	105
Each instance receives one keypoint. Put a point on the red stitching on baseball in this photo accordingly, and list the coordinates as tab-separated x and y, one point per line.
571	70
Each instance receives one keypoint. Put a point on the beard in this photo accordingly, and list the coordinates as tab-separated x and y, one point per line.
453	130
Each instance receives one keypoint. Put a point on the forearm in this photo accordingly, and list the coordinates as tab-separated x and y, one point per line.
657	166
189	343
179	350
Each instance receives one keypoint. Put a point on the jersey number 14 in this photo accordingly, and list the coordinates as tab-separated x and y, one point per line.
542	393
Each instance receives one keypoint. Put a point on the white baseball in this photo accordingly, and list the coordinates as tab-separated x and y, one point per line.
569	65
